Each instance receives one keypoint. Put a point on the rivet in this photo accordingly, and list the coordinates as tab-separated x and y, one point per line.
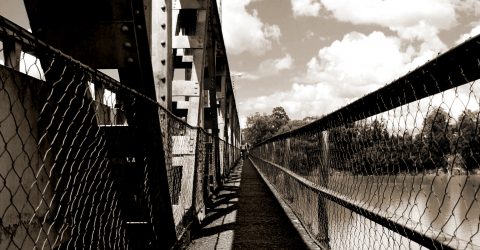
163	61
130	60
137	12
125	28
139	27
127	45
163	25
163	43
164	7
163	79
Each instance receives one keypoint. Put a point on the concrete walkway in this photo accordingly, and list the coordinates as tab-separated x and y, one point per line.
245	215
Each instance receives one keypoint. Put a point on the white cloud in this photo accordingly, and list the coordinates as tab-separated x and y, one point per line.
471	6
413	20
244	31
475	31
300	101
342	72
267	68
306	7
394	14
359	63
273	32
244	75
284	62
274	66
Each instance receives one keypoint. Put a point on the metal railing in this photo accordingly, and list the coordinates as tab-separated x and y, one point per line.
76	168
397	169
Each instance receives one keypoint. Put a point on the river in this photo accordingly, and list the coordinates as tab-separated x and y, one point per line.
446	206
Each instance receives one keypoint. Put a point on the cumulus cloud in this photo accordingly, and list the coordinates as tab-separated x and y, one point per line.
243	31
300	101
306	7
359	63
342	72
267	68
271	67
475	31
421	23
438	13
470	6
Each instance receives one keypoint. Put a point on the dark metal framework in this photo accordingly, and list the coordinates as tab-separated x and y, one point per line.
93	162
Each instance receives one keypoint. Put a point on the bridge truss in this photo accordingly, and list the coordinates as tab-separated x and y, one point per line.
122	159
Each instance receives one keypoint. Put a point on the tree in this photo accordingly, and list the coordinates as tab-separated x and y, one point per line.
279	118
259	128
291	125
468	144
435	139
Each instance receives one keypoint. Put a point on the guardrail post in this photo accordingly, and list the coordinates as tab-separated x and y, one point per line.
322	236
11	53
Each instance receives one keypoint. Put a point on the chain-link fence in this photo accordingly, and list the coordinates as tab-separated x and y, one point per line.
193	167
396	169
80	165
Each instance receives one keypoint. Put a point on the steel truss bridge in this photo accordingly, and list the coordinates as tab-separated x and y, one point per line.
119	130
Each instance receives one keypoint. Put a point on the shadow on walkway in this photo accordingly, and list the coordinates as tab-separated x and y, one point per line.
261	222
246	215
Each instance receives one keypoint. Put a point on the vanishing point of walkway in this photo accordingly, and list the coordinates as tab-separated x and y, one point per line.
246	215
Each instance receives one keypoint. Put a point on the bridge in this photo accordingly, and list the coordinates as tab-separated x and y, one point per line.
119	130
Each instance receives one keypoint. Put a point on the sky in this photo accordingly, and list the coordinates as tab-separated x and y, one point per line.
315	56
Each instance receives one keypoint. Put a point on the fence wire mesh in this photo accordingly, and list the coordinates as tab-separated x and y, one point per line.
397	169
193	167
76	170
56	186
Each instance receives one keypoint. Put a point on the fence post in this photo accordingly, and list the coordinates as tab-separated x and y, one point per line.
322	236
12	53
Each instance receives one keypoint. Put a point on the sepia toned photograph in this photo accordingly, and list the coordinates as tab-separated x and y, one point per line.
240	124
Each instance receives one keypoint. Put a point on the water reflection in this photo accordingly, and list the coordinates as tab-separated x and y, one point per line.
448	206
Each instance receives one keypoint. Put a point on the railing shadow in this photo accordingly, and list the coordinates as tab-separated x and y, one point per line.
224	202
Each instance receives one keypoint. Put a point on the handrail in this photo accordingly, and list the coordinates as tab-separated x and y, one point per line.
438	75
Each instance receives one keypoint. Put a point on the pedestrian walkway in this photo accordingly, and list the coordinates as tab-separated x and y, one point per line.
246	215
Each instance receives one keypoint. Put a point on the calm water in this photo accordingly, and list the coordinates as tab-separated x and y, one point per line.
447	207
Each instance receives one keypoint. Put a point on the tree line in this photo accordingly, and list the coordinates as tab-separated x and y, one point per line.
369	148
